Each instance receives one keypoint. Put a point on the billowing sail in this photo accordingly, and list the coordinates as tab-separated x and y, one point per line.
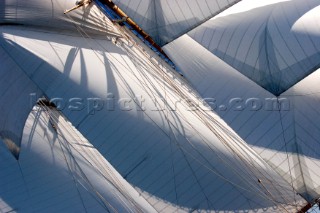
140	115
59	170
268	43
258	65
16	89
165	20
131	110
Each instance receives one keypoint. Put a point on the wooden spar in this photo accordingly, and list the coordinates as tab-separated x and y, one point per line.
72	9
305	208
132	24
309	206
78	5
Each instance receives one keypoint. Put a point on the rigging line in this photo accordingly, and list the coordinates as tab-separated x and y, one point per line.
73	178
170	136
222	126
222	177
272	195
120	187
204	121
171	148
286	149
98	44
196	178
175	140
209	163
234	138
253	165
38	112
46	110
49	114
174	173
298	153
84	176
114	179
98	171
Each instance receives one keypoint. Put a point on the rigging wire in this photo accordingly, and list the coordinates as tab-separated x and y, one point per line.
53	120
226	143
112	180
286	149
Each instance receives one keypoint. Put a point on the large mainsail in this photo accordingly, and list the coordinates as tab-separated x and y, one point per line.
139	114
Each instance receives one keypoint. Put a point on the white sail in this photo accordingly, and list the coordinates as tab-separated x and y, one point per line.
145	119
224	63
165	20
59	170
266	41
16	89
44	15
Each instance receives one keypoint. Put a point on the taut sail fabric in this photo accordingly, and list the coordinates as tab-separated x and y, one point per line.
42	15
261	77
270	42
142	117
137	113
165	20
60	171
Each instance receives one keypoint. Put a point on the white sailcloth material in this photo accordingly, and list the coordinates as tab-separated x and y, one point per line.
252	59
42	15
269	42
144	119
59	170
165	20
16	102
